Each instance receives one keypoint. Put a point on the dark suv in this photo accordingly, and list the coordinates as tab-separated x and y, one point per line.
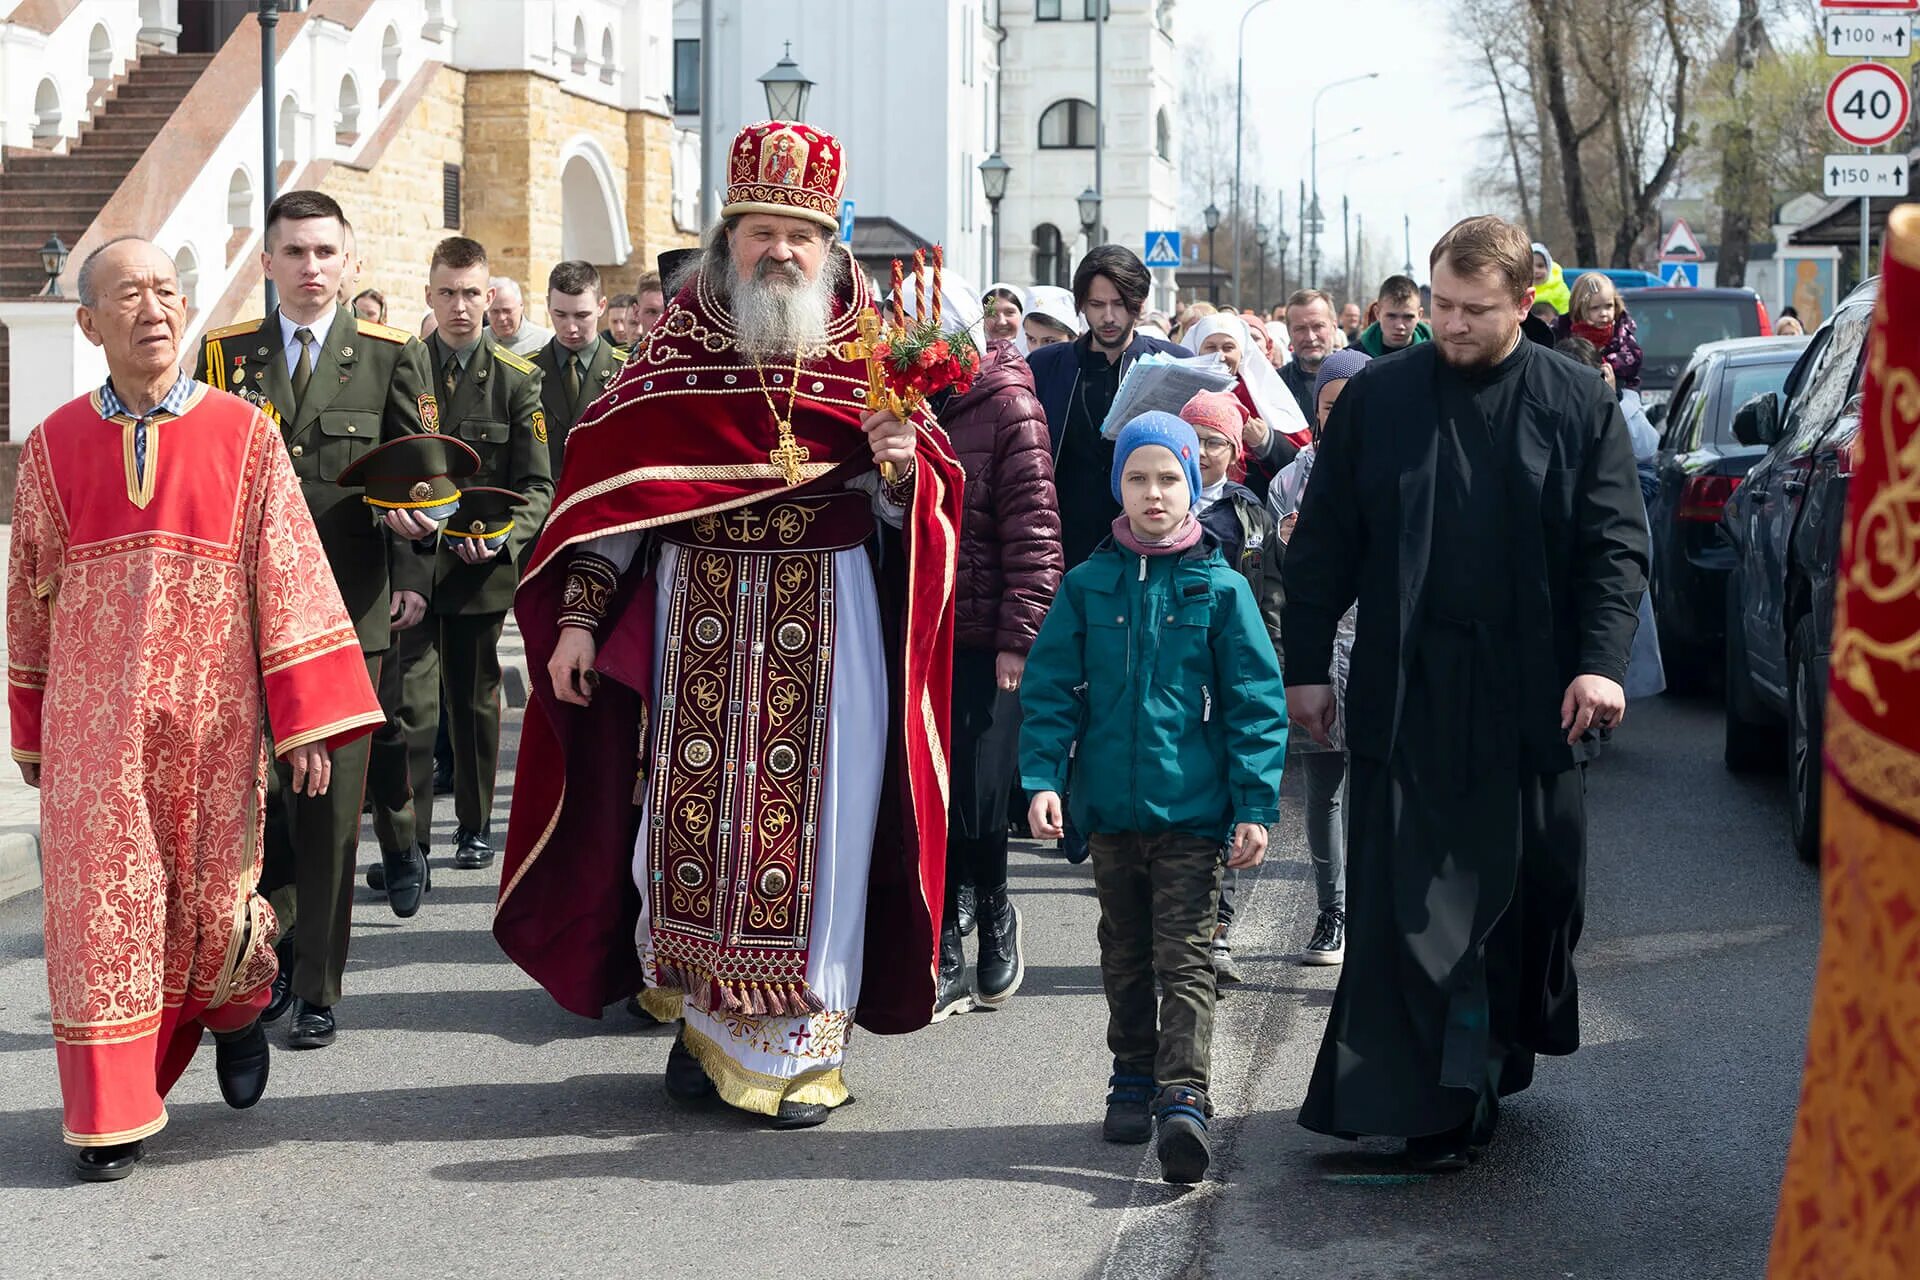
1672	323
1699	465
1785	524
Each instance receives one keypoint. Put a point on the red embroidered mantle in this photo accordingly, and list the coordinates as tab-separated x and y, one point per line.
688	429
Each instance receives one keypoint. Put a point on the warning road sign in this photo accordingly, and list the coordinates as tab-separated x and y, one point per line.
1163	248
1680	242
1868	103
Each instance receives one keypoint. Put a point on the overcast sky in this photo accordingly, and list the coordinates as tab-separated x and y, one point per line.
1421	106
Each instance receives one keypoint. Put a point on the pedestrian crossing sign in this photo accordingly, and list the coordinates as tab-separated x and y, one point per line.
1163	248
1680	275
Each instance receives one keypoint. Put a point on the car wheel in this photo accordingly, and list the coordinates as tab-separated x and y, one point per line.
1806	702
1753	744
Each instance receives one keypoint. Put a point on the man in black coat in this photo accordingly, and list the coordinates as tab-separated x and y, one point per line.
1076	382
1477	496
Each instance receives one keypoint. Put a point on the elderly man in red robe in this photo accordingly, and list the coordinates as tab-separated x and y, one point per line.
732	783
165	588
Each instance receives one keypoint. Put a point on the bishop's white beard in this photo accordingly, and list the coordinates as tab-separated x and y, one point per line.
779	311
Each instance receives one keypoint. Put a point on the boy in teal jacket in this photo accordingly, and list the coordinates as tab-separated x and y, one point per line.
1154	682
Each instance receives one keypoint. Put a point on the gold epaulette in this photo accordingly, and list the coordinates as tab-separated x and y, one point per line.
511	360
621	354
227	331
385	332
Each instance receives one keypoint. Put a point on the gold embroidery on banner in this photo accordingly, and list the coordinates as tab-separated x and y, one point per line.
1885	537
1872	766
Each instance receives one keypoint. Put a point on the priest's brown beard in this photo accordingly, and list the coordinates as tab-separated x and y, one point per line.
779	311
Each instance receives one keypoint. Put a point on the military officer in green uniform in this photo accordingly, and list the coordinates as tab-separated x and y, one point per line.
338	386
490	399
578	364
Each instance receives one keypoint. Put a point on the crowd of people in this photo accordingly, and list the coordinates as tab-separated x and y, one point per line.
803	661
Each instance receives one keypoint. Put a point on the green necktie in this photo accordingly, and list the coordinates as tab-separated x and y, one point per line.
573	378
453	376
303	370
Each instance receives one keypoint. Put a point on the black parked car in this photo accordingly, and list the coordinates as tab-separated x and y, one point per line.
1671	324
1785	524
1697	469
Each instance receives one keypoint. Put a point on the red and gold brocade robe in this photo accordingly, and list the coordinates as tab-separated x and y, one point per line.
1850	1201
153	613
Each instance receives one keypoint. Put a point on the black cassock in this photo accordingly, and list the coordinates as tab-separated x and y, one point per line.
1491	528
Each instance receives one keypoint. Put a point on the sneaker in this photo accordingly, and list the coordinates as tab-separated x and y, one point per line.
1226	972
951	995
1000	967
1329	942
1129	1109
1184	1149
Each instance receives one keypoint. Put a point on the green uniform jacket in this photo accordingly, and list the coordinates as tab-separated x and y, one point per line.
604	361
1160	693
496	409
370	384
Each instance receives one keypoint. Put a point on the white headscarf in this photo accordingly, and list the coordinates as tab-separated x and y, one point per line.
959	307
1275	404
1051	303
1019	295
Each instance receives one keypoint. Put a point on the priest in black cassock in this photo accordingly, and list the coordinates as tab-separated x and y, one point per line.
1477	496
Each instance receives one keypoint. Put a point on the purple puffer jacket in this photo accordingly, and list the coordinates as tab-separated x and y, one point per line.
1010	559
1621	350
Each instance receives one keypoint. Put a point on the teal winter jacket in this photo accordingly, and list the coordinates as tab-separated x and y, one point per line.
1152	698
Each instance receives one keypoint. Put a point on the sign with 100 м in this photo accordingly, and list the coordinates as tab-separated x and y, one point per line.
1868	104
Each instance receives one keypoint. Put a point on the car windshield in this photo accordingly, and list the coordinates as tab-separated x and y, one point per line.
1742	383
1670	323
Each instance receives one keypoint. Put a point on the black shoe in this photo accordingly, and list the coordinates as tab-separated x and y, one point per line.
1226	970
686	1079
1000	968
799	1115
1129	1109
1184	1149
963	909
377	872
280	994
443	778
1329	942
640	1011
1439	1152
312	1026
240	1061
473	853
106	1164
951	994
405	876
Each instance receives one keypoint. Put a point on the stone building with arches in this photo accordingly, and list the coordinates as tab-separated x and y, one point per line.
541	128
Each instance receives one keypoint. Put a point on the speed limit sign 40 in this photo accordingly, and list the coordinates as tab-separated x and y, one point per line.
1868	103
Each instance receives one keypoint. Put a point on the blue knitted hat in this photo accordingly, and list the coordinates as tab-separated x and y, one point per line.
1164	429
1338	366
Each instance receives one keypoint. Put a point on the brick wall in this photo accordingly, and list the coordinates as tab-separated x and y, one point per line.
395	206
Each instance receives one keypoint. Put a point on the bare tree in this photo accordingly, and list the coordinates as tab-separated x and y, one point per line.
1739	174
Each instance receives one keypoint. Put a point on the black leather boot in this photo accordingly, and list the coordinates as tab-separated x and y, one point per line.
951	995
963	909
1000	968
240	1062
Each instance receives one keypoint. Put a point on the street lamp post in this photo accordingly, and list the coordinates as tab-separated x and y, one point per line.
1260	234
53	260
993	180
1212	215
1089	203
269	121
1239	131
1314	132
787	88
1281	240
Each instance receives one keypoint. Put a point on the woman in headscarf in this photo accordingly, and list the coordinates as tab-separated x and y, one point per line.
1009	565
1051	317
1275	427
1549	282
1004	306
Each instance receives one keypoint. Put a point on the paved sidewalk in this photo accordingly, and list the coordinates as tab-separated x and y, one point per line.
19	803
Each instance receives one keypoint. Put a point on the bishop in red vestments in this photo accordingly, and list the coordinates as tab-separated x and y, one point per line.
166	587
732	784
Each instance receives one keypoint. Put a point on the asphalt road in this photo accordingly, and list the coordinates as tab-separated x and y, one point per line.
465	1125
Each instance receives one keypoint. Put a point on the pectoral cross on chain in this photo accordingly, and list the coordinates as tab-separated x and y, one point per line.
789	455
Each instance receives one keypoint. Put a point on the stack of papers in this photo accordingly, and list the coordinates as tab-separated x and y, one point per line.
1160	381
